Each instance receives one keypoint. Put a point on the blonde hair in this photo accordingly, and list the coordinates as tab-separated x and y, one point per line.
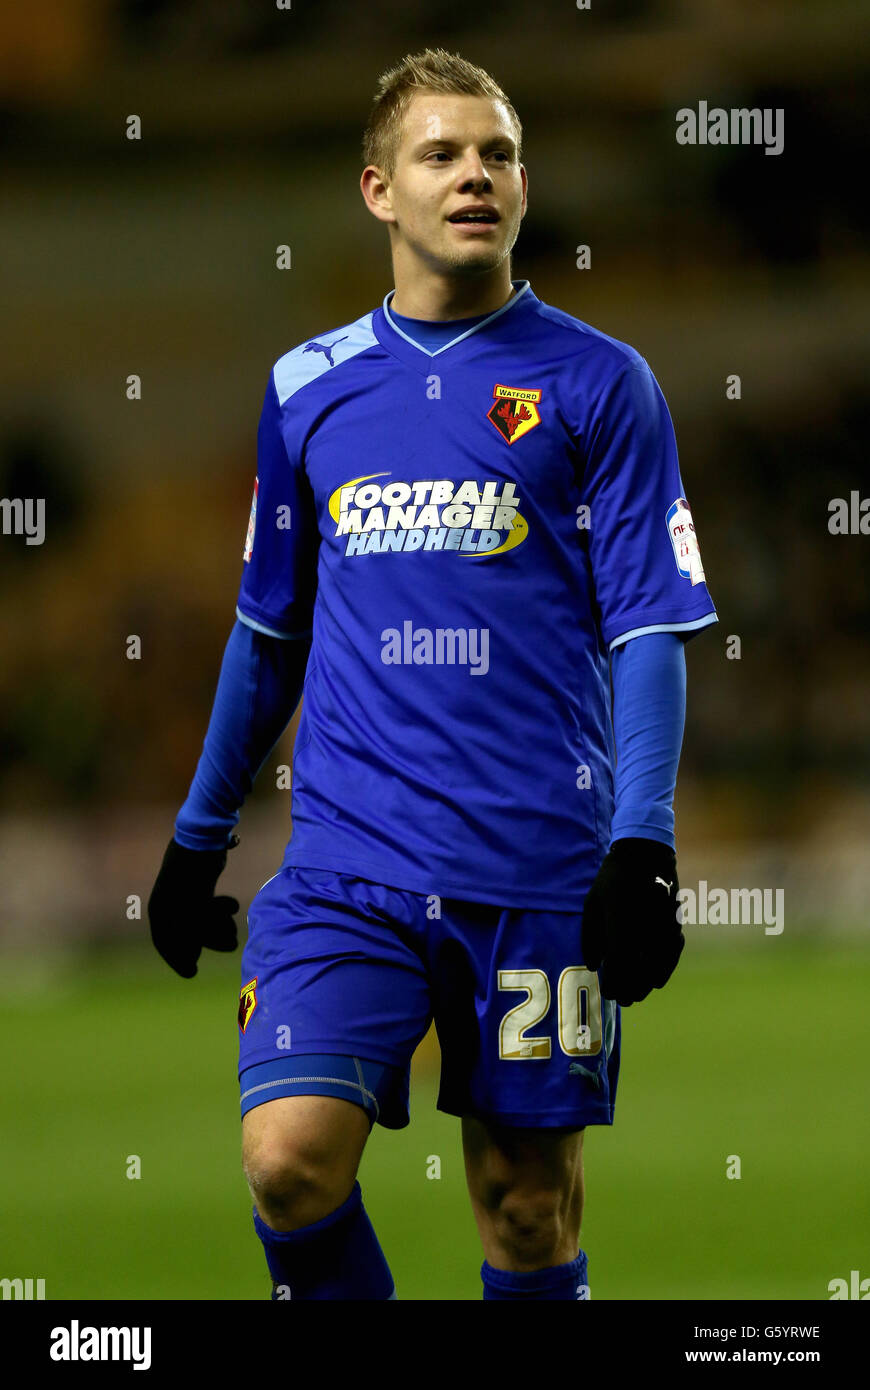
433	70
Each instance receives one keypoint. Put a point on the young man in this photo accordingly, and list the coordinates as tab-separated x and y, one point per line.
468	504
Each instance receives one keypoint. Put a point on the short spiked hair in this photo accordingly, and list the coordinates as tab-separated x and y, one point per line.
433	70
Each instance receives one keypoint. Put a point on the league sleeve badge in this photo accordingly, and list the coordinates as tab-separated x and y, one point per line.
681	530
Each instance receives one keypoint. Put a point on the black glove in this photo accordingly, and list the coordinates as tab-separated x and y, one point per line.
630	930
183	911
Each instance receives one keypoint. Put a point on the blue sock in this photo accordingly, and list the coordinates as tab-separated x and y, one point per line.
560	1281
336	1258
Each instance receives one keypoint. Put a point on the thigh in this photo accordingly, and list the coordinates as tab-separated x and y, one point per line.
312	1132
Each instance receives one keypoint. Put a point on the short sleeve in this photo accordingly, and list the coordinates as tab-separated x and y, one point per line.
644	552
279	578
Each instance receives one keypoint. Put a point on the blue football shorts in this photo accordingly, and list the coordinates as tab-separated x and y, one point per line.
342	977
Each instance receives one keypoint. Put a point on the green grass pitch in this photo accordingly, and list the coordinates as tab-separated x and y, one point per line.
758	1051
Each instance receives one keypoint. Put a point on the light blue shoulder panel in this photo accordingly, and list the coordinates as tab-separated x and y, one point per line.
310	360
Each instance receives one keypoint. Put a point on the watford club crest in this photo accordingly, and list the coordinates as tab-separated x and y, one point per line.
514	412
247	1003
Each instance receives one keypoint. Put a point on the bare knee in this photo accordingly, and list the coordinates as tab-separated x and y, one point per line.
301	1159
286	1185
535	1227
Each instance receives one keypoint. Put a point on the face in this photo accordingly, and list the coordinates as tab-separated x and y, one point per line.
458	191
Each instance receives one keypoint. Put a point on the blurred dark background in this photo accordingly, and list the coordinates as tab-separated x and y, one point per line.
157	257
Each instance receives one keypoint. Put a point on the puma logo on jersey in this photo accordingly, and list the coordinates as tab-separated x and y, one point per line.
325	348
669	886
578	1069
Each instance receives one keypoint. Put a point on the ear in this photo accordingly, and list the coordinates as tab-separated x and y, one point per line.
525	181
376	194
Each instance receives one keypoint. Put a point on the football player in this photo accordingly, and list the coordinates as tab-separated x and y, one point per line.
470	549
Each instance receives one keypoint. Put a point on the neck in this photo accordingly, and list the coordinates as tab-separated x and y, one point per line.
438	295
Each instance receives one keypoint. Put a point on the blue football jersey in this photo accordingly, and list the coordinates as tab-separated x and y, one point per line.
465	533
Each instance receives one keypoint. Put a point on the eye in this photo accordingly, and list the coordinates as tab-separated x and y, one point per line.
501	155
438	154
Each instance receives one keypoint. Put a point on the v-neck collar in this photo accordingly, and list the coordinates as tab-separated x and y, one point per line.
392	337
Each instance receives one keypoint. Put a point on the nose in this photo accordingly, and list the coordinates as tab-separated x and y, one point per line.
474	176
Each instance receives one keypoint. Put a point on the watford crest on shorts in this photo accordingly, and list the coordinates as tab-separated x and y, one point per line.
247	1003
514	411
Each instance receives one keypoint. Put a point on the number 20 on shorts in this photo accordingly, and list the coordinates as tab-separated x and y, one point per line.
579	1014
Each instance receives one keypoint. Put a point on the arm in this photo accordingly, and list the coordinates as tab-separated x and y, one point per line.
258	690
652	595
630	928
649	715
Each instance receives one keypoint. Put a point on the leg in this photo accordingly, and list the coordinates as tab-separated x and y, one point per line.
326	961
526	1190
300	1156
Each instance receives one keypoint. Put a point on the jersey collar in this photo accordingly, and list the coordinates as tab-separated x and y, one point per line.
398	342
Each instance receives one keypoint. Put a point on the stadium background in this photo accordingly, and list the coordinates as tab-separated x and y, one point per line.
157	257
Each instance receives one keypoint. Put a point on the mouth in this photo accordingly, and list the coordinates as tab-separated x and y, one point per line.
475	219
